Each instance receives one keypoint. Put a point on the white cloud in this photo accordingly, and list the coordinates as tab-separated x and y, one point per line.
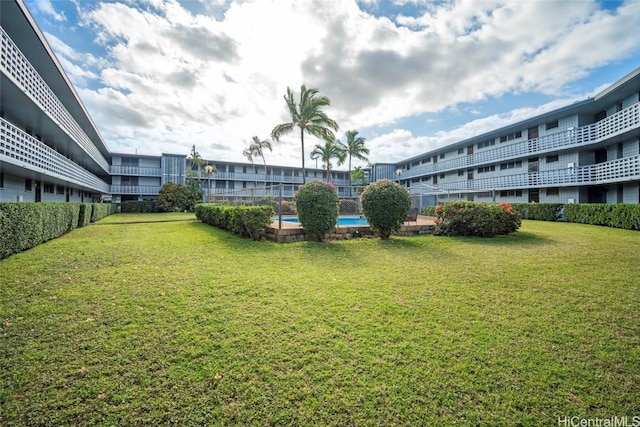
173	78
46	7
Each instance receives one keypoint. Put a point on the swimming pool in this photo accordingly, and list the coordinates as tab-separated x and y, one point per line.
343	221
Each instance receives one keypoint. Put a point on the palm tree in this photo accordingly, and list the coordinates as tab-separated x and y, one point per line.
355	148
257	149
248	153
330	150
306	114
208	170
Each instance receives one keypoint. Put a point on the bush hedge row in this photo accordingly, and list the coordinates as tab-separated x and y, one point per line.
618	216
246	221
135	206
462	218
625	216
538	211
25	225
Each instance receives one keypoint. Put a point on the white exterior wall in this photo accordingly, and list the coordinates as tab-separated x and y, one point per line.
631	193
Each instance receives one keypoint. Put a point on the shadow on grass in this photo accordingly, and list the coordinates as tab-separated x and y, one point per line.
521	238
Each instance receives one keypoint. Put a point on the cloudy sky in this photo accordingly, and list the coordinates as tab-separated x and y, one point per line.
409	75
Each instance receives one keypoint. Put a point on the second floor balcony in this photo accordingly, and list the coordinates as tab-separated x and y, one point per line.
611	172
623	121
21	149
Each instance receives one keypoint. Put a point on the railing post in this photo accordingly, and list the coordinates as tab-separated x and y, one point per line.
280	206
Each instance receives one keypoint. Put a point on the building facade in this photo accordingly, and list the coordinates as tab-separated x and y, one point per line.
50	150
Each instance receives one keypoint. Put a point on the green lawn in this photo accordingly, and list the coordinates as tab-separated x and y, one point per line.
179	323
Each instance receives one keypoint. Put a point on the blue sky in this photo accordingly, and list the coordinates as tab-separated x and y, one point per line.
409	75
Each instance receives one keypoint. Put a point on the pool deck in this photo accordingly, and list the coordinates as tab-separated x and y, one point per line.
293	232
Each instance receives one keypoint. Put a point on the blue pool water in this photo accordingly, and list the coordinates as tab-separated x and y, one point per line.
343	221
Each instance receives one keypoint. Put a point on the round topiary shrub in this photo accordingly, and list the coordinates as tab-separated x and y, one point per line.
385	205
317	207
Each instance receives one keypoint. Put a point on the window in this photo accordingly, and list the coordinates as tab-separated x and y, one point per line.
59	189
460	173
129	161
552	158
442	156
532	132
484	194
441	176
511	165
487	143
1	179
554	191
461	150
28	184
552	125
48	188
129	180
511	136
486	169
511	193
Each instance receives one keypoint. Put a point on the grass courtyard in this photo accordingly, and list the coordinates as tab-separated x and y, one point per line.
180	323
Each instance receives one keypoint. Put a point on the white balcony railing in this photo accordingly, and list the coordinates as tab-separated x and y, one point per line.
619	170
620	122
23	150
135	189
135	171
14	64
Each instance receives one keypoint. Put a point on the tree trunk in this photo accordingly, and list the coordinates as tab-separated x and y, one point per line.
350	195
304	172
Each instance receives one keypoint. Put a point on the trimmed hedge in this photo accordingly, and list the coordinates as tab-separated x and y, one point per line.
134	206
84	217
619	216
385	204
538	211
317	207
476	219
25	225
246	221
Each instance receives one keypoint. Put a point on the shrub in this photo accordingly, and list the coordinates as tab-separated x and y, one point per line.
25	225
145	206
476	219
538	211
247	221
428	211
101	210
317	207
84	217
175	198
619	216
385	204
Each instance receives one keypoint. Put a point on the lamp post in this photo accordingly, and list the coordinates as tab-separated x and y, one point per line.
209	170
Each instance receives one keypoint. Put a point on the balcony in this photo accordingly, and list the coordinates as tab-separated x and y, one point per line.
15	65
619	123
135	171
23	150
620	170
151	190
271	179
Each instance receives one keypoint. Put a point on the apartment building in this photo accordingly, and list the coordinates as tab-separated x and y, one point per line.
587	152
50	150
